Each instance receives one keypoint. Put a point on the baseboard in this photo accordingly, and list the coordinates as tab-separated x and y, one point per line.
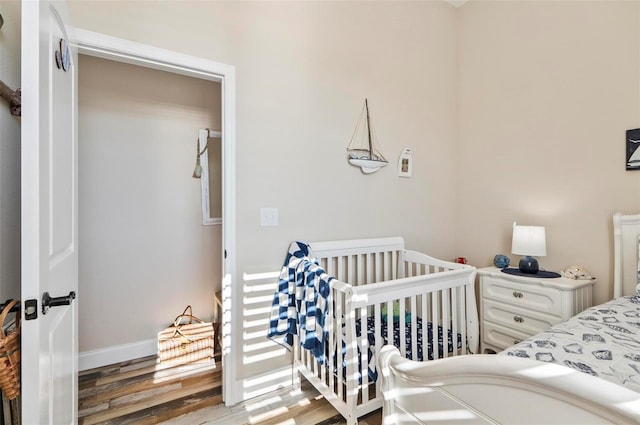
117	354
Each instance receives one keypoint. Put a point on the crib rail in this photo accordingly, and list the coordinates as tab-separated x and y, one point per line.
385	287
360	261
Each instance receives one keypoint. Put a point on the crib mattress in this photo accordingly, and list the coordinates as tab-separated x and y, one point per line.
371	338
602	341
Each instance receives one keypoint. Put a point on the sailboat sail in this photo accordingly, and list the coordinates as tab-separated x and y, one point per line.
634	159
362	150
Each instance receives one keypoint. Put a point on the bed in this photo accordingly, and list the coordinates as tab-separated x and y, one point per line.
583	371
339	302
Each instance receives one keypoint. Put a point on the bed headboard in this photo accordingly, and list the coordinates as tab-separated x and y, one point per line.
626	255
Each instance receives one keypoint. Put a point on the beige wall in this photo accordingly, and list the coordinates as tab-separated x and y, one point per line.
303	70
547	90
515	111
144	253
9	155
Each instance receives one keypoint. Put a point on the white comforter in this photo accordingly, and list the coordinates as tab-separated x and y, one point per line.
603	341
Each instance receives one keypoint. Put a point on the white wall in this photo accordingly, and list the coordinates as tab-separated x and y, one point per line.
9	155
547	90
144	252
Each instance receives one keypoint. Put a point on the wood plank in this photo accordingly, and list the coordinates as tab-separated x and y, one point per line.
135	392
142	404
138	384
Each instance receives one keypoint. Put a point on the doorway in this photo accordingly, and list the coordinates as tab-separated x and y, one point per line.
113	49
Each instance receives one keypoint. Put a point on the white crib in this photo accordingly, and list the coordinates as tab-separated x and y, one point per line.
377	274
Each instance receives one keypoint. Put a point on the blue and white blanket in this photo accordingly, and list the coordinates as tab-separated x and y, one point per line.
300	304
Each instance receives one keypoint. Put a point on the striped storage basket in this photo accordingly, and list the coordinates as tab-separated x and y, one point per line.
187	340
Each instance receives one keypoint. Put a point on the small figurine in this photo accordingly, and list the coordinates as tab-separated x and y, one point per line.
501	261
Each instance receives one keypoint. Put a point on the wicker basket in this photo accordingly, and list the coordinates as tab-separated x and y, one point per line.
186	342
10	354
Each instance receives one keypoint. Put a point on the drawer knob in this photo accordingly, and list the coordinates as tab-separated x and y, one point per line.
518	294
518	319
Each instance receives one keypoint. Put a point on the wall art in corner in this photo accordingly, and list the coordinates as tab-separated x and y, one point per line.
633	149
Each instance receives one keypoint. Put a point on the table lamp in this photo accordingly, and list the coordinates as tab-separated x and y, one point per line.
528	241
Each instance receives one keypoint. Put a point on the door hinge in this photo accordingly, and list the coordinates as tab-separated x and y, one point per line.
225	254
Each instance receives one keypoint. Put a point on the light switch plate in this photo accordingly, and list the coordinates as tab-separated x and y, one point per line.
268	216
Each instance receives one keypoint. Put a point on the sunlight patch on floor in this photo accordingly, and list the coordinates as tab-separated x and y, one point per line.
268	415
165	372
263	403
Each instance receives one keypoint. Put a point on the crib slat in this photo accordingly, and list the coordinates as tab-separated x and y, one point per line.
434	325
463	313
364	355
414	329
332	341
454	318
445	323
339	343
328	267
384	262
369	265
351	352
393	266
389	319
296	363
351	270
425	319
401	326
377	331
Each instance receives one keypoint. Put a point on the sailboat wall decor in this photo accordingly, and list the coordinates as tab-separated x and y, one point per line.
362	150
633	149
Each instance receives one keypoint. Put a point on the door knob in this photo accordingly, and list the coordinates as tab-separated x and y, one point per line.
49	301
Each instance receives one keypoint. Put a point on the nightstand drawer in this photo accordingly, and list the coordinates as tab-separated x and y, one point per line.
536	298
501	337
519	319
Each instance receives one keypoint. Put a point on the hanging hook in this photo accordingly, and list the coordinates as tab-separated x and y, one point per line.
197	172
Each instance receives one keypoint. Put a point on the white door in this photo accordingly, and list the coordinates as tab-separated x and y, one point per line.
49	216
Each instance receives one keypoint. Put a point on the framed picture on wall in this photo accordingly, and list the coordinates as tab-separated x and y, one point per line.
633	149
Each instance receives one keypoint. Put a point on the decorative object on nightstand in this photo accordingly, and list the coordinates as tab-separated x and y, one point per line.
576	272
501	261
528	241
513	308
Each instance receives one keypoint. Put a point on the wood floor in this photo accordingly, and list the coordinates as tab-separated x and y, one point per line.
144	392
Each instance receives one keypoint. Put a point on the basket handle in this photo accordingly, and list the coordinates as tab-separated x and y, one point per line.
190	316
3	316
177	325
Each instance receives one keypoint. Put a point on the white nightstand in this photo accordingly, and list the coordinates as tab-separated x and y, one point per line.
513	308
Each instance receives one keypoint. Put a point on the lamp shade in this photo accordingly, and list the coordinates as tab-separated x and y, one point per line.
529	240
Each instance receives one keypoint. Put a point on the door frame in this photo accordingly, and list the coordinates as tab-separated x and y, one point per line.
121	50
